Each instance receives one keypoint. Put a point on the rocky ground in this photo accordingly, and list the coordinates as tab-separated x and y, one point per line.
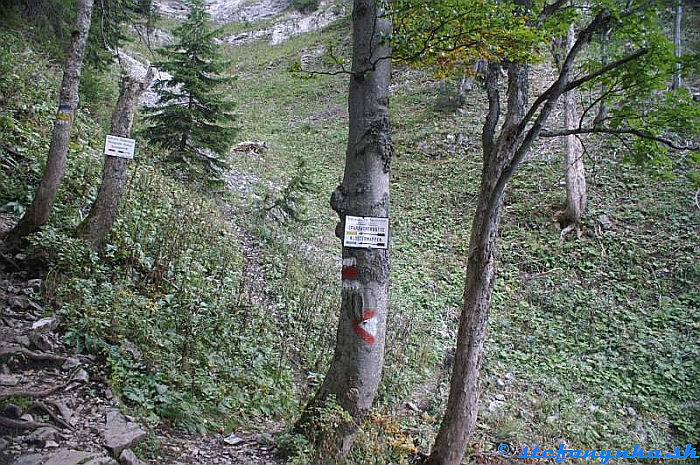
56	406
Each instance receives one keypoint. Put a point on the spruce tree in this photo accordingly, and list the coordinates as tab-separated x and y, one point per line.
191	118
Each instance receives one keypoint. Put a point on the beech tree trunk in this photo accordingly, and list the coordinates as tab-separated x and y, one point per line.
573	161
98	223
355	371
38	212
678	52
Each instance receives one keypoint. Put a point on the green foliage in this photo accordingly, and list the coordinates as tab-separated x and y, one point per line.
291	202
639	100
162	303
449	98
382	438
325	421
296	447
27	110
165	302
45	21
98	92
448	35
586	287
192	118
109	28
148	448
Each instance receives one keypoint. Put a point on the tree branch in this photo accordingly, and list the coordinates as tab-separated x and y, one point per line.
21	424
630	131
551	8
616	64
15	350
494	113
35	394
560	85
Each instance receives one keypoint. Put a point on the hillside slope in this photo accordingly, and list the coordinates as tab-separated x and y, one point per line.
230	297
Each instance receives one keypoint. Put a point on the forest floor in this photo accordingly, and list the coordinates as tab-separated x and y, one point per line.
58	408
592	341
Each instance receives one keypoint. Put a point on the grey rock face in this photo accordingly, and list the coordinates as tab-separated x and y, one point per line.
42	436
44	325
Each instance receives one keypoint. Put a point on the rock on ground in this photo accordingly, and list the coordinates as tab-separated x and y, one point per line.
121	434
66	457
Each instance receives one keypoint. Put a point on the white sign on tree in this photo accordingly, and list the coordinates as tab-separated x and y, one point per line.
121	147
366	232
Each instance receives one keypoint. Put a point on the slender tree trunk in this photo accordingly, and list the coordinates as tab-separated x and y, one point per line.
354	374
502	157
38	212
97	224
573	164
602	114
463	403
677	43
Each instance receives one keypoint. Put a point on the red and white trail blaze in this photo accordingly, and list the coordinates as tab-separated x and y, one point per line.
366	326
350	275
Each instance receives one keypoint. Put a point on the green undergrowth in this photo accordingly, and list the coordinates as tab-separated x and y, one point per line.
593	341
164	302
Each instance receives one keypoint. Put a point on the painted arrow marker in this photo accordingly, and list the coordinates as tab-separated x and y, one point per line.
365	327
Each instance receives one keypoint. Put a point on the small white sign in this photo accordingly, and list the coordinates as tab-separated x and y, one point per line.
120	147
366	232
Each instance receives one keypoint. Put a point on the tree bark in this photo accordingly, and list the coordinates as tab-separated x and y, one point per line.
502	157
98	223
38	212
354	374
602	114
463	403
573	161
678	52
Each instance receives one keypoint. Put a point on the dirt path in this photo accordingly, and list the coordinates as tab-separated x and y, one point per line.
254	272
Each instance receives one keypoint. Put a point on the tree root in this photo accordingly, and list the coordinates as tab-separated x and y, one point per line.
44	408
568	229
21	424
63	410
35	394
9	260
10	351
566	225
